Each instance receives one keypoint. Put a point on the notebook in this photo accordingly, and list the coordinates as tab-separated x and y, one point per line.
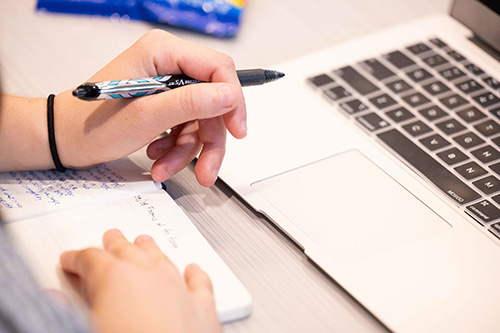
380	158
48	212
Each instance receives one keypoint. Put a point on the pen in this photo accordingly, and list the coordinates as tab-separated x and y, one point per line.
91	91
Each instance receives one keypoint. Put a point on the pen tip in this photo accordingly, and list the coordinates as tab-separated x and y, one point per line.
272	75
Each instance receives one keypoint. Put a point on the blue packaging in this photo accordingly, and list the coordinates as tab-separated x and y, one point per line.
220	18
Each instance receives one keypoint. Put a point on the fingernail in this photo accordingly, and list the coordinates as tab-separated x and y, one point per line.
144	238
215	174
114	231
227	96
244	126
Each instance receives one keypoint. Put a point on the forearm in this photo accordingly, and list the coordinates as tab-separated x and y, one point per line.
23	134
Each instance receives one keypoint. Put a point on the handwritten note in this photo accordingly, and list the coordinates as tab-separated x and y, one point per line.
49	190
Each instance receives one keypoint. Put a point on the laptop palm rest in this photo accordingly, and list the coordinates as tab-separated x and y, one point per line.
349	207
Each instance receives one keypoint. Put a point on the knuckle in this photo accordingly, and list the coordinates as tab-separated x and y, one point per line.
155	33
226	60
188	102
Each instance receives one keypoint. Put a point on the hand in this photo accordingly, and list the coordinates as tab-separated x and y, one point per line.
88	133
135	288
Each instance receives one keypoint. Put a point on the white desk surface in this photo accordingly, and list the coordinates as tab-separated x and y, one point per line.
42	53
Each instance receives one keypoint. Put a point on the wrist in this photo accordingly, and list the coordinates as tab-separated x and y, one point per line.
23	134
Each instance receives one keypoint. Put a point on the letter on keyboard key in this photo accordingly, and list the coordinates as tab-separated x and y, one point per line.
485	211
447	182
487	99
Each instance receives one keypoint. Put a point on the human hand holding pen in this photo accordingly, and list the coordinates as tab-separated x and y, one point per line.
198	115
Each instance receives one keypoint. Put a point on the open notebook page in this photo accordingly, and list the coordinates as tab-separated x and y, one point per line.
25	194
137	208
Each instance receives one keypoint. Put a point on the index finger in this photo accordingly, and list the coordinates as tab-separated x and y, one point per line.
87	263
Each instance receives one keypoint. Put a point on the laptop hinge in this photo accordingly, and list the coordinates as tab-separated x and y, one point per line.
485	47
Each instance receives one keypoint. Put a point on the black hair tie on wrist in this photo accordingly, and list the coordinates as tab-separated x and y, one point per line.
52	136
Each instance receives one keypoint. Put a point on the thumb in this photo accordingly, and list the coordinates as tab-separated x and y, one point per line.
198	101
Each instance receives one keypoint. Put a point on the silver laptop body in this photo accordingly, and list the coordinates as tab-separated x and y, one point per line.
380	158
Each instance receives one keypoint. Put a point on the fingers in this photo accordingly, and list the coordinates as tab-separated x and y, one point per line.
87	262
115	243
160	146
147	244
199	283
173	153
89	266
213	138
175	156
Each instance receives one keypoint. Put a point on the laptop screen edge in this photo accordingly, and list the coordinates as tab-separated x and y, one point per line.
482	17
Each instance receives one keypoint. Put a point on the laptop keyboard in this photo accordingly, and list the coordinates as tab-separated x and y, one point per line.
437	111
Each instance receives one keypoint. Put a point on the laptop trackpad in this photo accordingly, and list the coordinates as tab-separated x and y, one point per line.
350	207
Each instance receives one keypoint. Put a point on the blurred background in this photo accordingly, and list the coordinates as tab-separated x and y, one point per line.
73	47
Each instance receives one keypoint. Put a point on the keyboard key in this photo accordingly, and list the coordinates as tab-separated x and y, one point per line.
416	99
336	93
438	42
468	140
469	86
320	80
488	128
488	185
496	198
353	106
452	156
496	112
375	68
434	112
447	182
474	69
418	48
457	56
486	99
492	82
398	86
471	114
399	60
372	121
452	73
419	75
470	170
400	114
496	141
434	142
436	88
496	168
486	154
417	128
382	101
435	60
485	211
450	126
495	229
453	101
357	81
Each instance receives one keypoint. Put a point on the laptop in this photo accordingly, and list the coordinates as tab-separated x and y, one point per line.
380	158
